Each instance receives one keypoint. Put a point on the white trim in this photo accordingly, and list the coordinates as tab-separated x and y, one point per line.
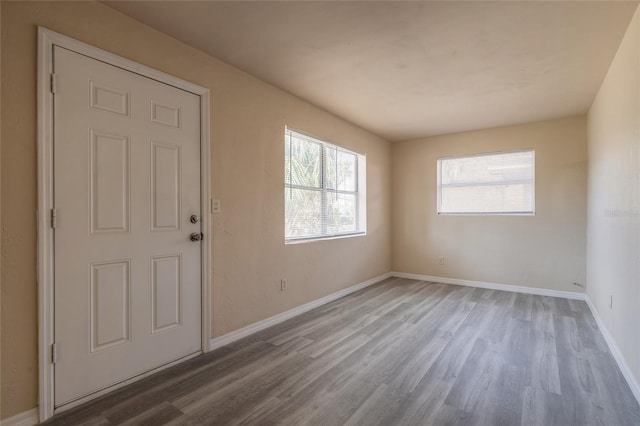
45	233
218	342
493	286
452	157
233	336
205	217
613	347
332	237
26	418
46	40
615	351
320	140
359	191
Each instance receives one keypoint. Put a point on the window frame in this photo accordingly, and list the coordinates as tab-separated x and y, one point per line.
359	193
439	185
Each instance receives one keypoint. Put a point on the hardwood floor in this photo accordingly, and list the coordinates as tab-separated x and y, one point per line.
401	352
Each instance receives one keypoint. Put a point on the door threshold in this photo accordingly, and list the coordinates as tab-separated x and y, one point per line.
97	394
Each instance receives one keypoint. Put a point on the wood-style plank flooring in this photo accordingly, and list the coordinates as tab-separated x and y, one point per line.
401	352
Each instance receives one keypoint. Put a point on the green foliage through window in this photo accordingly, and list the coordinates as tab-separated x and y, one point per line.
321	188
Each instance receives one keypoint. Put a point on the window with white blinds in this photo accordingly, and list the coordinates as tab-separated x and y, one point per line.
495	183
324	189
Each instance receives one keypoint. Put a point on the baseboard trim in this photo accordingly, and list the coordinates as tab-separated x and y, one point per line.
494	286
615	351
613	347
30	417
225	339
26	418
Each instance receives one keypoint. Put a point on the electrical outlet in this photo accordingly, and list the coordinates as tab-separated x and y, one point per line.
441	260
283	284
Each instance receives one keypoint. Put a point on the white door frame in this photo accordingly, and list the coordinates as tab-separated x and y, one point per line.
46	40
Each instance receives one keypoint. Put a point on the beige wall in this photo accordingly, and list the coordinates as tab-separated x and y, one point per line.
613	249
546	250
247	122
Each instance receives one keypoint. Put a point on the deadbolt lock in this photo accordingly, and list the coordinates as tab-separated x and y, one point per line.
194	218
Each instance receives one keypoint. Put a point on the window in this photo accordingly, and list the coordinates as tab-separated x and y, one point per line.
496	183
324	189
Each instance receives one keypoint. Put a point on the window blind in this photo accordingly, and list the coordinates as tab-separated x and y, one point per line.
322	195
495	183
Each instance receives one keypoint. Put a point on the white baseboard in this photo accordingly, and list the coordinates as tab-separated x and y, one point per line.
613	347
493	286
615	351
218	342
30	417
26	418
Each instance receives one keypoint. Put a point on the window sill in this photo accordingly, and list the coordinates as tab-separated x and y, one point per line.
488	214
324	238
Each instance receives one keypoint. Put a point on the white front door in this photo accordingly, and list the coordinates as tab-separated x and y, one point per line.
126	191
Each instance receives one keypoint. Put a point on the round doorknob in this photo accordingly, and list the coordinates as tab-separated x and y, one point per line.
196	236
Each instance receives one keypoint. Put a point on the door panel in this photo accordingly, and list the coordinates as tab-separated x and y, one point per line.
110	304
166	281
109	175
165	186
126	181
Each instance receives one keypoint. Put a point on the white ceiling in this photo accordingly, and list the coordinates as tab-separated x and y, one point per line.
405	70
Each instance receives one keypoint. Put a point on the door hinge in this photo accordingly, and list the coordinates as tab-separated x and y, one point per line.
53	83
54	218
54	353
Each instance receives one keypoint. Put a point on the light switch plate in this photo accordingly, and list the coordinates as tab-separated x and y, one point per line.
215	206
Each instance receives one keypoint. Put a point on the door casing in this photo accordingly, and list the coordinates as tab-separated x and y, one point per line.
46	40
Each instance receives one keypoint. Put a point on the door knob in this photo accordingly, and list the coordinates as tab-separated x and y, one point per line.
196	236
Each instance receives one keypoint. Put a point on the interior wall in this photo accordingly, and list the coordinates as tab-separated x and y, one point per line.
248	118
545	251
613	236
